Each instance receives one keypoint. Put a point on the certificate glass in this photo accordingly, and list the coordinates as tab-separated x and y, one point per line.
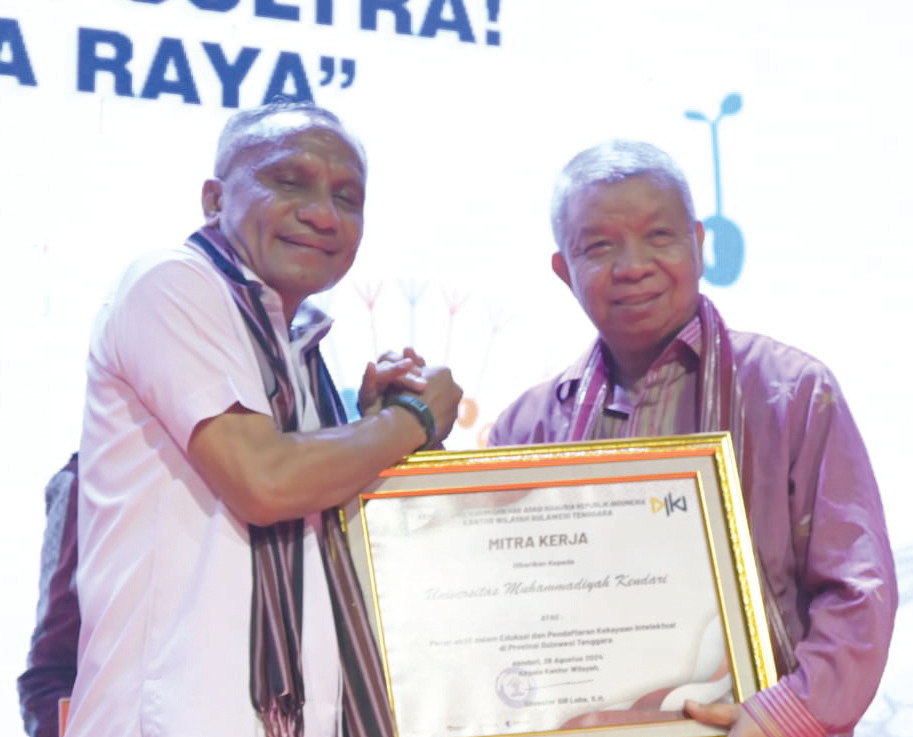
557	589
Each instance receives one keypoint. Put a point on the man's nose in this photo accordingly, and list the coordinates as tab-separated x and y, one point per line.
320	212
632	260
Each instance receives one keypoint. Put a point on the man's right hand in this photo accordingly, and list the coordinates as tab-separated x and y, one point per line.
442	395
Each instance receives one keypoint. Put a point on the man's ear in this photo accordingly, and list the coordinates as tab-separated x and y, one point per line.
699	235
559	266
212	200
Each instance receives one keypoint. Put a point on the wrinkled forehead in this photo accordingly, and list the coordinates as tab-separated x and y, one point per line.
288	129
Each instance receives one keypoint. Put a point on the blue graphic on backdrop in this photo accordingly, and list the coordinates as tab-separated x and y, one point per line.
728	243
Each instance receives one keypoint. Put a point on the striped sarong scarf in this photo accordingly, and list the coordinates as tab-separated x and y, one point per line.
277	551
720	408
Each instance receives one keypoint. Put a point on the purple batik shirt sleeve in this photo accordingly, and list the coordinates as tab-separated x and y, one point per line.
536	417
51	666
541	414
841	602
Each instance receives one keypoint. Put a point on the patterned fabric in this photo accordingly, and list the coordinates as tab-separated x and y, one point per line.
719	407
772	708
366	711
663	400
660	407
277	551
247	298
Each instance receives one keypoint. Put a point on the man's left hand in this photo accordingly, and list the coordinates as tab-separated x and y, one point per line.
730	716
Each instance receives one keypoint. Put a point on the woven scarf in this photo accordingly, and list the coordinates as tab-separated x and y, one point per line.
277	551
719	408
365	705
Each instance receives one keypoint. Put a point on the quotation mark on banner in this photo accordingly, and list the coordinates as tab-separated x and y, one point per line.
328	67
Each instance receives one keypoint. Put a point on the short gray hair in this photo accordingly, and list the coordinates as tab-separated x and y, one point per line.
608	163
239	130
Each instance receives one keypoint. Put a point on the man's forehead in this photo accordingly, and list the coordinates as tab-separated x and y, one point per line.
288	122
288	129
647	190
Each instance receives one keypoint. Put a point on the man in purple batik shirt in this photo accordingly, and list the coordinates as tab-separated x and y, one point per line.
629	248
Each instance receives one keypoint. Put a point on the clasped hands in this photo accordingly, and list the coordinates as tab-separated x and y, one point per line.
407	373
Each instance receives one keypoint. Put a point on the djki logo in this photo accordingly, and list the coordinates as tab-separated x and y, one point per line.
668	504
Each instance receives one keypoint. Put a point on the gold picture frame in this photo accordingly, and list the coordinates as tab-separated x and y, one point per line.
562	589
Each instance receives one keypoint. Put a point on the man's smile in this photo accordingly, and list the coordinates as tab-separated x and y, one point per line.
635	300
304	241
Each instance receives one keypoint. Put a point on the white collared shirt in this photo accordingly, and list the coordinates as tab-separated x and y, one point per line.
164	573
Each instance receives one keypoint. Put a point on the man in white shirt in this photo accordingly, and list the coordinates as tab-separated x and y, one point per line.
213	443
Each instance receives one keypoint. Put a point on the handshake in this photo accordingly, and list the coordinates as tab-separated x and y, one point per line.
403	380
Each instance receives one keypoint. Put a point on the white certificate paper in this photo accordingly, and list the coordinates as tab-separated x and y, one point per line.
526	610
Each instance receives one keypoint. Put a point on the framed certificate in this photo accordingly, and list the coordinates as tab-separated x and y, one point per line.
560	589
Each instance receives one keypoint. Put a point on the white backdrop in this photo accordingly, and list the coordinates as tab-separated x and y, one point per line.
109	111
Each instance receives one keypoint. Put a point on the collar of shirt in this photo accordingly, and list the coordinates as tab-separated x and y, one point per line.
309	325
687	345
